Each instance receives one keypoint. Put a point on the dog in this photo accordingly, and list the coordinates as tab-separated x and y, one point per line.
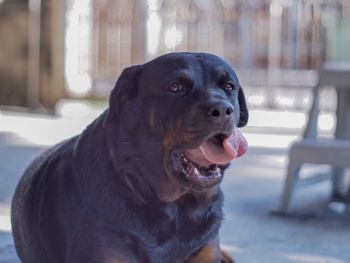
141	182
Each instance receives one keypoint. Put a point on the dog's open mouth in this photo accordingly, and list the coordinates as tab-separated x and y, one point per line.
203	164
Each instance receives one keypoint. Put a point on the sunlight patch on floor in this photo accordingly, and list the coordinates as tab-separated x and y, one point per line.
287	119
275	141
305	258
5	223
42	130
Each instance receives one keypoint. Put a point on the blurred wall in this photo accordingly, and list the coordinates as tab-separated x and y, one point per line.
50	82
13	52
278	41
51	49
31	52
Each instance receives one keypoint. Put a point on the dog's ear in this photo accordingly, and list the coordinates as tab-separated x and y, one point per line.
124	90
243	115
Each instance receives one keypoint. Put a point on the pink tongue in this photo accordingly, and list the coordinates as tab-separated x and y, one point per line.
233	146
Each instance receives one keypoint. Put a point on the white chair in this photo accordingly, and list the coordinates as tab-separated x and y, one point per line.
311	149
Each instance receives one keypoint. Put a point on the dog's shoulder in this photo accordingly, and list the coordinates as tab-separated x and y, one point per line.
51	156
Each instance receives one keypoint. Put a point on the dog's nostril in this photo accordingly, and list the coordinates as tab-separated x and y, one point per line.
221	110
215	113
229	111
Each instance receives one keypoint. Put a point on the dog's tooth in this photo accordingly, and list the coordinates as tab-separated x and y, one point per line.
189	169
195	171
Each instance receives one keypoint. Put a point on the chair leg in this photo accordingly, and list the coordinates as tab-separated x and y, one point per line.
339	185
290	182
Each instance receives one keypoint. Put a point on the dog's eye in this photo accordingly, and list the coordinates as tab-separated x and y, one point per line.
176	87
228	87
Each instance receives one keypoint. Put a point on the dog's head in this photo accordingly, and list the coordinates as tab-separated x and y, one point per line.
178	117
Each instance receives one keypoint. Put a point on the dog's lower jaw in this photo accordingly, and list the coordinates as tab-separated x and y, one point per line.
171	191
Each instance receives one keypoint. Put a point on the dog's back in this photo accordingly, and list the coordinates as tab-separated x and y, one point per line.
35	205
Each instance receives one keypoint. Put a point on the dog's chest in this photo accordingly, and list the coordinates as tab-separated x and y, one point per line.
178	236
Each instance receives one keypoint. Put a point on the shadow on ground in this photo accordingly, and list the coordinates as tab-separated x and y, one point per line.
15	154
7	249
250	231
253	233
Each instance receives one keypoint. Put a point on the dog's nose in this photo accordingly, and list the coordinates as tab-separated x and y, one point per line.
220	111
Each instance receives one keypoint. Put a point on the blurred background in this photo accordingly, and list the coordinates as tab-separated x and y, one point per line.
76	49
60	59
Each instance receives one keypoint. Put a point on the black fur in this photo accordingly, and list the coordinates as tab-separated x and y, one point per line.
109	194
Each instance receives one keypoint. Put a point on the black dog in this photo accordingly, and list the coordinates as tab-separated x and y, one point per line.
141	183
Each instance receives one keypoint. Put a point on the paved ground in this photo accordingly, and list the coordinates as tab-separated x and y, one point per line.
311	234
